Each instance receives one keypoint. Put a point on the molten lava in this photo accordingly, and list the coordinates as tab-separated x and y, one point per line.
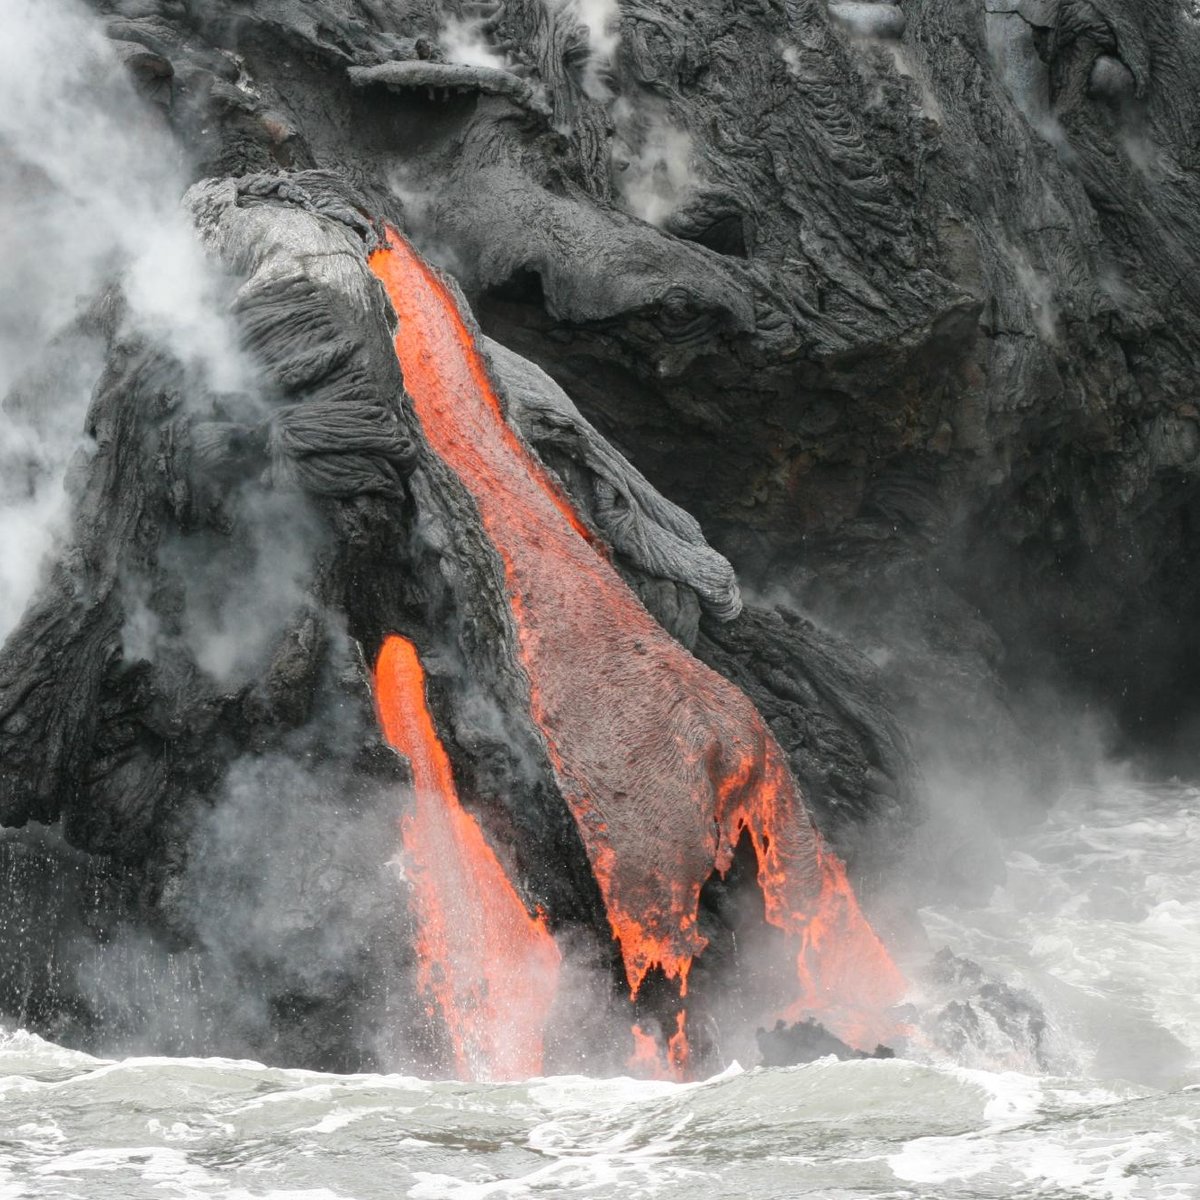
484	963
678	1051
662	762
646	1059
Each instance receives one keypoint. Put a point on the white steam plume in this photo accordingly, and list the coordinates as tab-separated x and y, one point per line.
655	161
601	20
464	41
90	182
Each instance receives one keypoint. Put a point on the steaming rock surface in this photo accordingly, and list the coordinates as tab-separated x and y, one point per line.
895	302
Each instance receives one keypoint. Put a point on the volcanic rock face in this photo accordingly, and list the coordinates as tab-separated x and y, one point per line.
617	772
846	285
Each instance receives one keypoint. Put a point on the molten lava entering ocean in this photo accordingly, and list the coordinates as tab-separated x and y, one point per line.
487	966
662	762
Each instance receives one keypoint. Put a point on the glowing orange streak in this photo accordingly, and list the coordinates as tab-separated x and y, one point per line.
488	966
651	1060
641	735
678	1051
645	1062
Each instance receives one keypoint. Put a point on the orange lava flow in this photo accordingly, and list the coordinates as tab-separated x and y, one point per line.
662	762
645	1062
483	963
678	1051
650	1059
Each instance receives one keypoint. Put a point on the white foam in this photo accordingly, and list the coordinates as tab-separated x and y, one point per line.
1014	1097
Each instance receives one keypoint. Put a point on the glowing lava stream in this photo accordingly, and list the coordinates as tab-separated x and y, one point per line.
662	762
487	965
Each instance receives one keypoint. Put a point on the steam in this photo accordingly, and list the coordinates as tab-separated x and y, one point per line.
1014	56
279	877
1012	882
238	594
655	159
600	21
420	220
107	178
1038	290
653	156
287	889
37	444
89	188
464	40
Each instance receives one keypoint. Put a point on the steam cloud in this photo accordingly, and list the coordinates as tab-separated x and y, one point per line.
464	40
421	218
238	596
90	181
601	22
655	157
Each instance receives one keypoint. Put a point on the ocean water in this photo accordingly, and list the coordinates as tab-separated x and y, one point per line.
1098	925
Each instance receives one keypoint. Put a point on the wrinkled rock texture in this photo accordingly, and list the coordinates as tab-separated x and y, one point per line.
891	307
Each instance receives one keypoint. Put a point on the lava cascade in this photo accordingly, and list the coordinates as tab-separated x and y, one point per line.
662	762
484	963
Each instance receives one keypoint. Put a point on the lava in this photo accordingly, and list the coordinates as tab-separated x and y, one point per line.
662	762
483	962
646	1060
678	1051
